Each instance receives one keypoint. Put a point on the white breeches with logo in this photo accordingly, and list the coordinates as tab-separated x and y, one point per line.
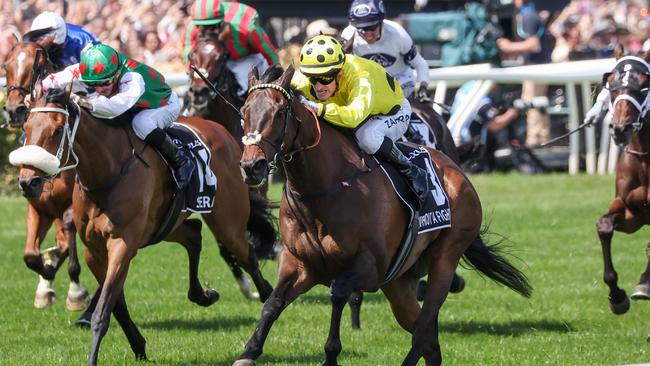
149	119
240	69
371	134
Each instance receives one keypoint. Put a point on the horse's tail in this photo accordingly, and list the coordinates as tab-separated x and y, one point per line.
489	260
261	227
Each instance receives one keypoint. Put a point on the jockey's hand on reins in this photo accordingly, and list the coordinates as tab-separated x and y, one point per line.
82	102
309	104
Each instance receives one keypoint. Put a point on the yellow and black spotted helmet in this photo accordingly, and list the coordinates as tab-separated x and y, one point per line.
321	55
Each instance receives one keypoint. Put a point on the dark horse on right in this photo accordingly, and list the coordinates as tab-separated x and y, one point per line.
347	234
628	84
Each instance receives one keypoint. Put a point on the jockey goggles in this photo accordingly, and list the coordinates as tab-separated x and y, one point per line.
323	79
370	28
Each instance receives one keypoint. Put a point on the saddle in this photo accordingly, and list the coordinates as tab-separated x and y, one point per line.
435	214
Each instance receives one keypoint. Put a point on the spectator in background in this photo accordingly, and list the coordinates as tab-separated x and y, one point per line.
320	26
533	46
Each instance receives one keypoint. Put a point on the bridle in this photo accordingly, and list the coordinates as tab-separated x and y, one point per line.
36	73
68	135
630	67
219	80
254	138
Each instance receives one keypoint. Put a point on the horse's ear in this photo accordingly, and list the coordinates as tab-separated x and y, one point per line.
285	79
225	34
48	41
68	91
619	51
253	76
12	40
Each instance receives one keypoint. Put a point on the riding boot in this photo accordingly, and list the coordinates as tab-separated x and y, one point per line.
179	158
416	175
413	135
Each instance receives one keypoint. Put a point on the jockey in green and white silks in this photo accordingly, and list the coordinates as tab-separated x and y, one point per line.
120	85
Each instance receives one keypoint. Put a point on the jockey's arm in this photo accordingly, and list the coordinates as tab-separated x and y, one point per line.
131	88
356	111
64	77
419	64
261	43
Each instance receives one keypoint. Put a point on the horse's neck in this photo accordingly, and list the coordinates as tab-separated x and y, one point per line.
227	107
319	168
101	150
640	142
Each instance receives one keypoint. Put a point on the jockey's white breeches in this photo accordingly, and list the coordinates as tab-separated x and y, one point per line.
240	69
406	80
148	119
371	134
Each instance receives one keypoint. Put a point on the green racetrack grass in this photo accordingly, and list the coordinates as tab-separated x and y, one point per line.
549	221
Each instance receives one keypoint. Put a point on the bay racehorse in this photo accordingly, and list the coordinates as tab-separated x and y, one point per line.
209	56
122	193
346	234
628	85
27	61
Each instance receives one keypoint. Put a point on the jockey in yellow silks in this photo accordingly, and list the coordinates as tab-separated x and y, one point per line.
353	92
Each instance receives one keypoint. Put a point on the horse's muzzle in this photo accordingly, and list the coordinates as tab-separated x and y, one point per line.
254	171
16	115
621	133
31	187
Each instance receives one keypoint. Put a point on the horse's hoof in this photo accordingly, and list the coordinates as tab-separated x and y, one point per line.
457	284
78	297
621	307
207	297
244	362
641	292
44	299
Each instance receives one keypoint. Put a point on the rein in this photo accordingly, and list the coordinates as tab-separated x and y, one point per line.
254	138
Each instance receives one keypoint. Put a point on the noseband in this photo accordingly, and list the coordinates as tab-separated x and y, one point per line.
68	134
254	138
631	67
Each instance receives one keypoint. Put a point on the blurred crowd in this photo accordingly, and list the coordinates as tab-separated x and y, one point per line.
152	30
588	29
147	30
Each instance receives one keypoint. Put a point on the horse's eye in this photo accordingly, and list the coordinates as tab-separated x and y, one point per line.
58	131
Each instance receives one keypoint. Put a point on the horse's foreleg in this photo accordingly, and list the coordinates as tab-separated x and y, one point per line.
119	258
355	300
340	292
136	340
619	303
290	285
37	226
78	297
188	234
642	289
243	282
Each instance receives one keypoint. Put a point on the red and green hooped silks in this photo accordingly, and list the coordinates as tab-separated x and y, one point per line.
247	35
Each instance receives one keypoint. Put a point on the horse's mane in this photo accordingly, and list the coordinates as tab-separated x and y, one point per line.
37	34
56	96
272	73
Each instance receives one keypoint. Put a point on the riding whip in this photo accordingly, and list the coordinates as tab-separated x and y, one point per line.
214	88
600	117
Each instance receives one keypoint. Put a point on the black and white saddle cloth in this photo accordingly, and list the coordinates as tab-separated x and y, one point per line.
435	214
199	194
